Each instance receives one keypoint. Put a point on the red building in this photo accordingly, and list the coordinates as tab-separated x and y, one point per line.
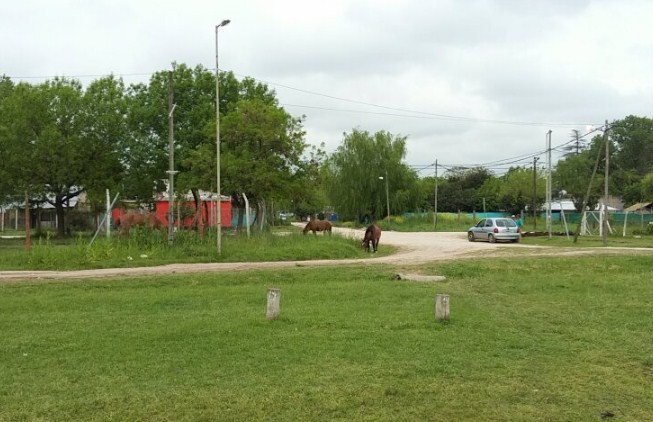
184	212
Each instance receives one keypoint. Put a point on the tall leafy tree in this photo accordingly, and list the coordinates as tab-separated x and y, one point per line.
646	186
263	150
633	139
461	190
105	132
633	155
354	170
516	190
7	157
261	144
573	175
59	144
577	144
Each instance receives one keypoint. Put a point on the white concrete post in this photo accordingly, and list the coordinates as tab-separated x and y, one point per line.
274	297
441	307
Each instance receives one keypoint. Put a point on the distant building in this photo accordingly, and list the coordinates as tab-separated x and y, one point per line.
641	207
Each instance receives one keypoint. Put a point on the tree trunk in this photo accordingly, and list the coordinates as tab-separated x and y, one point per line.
61	227
260	214
238	202
38	220
199	218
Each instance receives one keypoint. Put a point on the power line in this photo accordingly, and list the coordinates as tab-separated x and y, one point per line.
428	114
80	76
416	114
425	114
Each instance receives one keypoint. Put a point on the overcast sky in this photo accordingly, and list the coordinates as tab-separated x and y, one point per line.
467	82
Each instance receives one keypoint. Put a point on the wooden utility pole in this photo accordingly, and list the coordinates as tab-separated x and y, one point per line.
435	199
548	182
587	194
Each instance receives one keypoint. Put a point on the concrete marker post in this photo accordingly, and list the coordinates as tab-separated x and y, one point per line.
274	299
442	307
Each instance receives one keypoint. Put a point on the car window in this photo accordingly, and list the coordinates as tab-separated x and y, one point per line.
488	223
505	222
480	223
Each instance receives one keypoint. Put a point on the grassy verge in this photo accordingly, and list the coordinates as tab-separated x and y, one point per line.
537	339
641	241
151	248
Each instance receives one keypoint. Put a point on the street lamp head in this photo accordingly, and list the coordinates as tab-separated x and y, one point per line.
224	22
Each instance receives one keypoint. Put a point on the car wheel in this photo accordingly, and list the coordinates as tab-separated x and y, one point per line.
470	236
491	238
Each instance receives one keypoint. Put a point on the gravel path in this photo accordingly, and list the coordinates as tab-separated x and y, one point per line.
413	249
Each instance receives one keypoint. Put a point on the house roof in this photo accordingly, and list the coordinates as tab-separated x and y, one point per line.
639	206
71	203
567	205
564	204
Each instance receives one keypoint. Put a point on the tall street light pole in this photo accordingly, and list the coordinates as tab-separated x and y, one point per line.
217	134
171	160
387	194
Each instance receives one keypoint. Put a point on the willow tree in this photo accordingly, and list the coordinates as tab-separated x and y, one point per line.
360	171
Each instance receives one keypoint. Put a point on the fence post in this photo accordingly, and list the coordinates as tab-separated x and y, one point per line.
274	297
441	307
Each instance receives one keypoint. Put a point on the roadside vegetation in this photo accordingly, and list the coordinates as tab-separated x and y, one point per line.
284	242
143	248
530	339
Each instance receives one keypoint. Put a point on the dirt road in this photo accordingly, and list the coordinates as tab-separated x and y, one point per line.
414	248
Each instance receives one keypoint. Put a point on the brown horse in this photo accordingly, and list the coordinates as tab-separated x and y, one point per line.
131	219
318	226
372	236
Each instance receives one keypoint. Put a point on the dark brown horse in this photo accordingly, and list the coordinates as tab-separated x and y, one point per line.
131	219
318	226
372	236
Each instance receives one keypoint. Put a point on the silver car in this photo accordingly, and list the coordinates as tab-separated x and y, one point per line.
493	229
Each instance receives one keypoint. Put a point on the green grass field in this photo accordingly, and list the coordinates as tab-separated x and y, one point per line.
534	339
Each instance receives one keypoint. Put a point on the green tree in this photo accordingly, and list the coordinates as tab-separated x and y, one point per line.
58	143
263	149
632	156
306	192
354	170
573	174
633	139
147	149
516	190
576	146
7	155
105	121
646	186
460	192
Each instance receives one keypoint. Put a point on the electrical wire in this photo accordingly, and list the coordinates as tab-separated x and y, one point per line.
415	114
